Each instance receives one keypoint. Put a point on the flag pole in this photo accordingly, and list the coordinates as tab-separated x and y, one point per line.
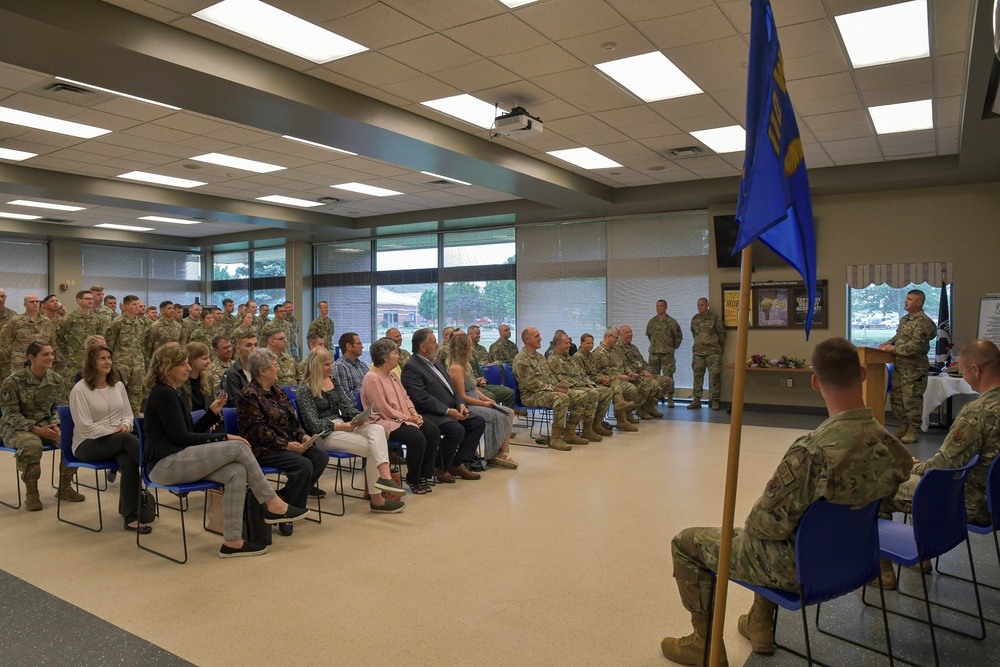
733	465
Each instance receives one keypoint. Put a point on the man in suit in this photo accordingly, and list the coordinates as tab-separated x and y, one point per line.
433	395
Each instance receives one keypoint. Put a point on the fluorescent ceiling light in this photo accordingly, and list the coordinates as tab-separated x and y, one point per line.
238	163
467	108
39	122
651	77
280	29
728	139
584	157
124	228
367	189
291	201
513	4
905	117
176	221
313	143
886	34
447	178
118	92
17	156
161	180
19	216
45	204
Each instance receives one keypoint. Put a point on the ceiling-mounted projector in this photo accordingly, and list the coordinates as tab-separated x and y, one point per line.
518	124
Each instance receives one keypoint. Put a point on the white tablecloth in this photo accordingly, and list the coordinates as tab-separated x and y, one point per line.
939	389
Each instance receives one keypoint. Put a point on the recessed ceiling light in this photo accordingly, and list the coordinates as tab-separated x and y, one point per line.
124	228
650	76
367	189
280	29
119	93
905	117
45	204
728	139
313	143
19	216
447	178
40	122
238	163
584	157
468	108
176	221
17	156
291	201
886	34
161	180
513	4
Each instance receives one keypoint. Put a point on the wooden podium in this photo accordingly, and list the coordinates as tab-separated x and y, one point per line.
874	361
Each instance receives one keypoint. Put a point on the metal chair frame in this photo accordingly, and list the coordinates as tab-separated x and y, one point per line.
66	427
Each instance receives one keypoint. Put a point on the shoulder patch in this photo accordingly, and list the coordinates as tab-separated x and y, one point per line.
772	487
785	473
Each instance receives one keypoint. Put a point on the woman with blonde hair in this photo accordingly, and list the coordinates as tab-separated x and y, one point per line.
200	389
177	451
327	409
498	425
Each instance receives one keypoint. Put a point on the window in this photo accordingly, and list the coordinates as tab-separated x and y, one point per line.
152	275
874	311
343	279
24	269
242	276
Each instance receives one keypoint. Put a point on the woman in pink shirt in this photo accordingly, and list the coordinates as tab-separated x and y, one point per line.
394	411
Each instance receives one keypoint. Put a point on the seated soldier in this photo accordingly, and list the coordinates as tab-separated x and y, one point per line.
849	460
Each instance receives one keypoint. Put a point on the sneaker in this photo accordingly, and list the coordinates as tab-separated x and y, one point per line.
248	549
390	507
389	486
293	514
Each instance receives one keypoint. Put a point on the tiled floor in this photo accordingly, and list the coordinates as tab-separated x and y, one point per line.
565	561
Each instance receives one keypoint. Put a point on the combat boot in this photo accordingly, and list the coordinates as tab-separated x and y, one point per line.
66	491
623	422
715	404
695	404
758	625
598	427
901	431
556	439
887	573
622	405
569	435
690	650
670	400
910	436
650	408
630	416
590	433
32	502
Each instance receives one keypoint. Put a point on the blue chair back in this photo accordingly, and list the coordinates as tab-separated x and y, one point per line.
229	417
993	492
492	374
66	434
508	377
836	550
939	520
357	400
291	390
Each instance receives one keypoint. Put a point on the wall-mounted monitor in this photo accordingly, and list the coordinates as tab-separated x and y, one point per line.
726	231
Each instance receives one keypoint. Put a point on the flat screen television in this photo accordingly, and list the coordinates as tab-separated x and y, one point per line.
726	230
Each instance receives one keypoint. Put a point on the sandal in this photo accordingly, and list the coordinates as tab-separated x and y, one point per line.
418	488
503	461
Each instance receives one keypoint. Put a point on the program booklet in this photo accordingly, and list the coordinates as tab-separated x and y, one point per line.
361	416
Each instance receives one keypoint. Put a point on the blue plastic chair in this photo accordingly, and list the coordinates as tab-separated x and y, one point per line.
182	491
536	416
939	525
66	446
993	505
492	374
46	447
827	565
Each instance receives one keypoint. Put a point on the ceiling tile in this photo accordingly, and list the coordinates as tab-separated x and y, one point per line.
152	10
375	26
641	10
719	64
626	39
239	135
588	131
541	60
371	68
841	125
214	33
444	14
638	122
432	53
823	94
321	12
421	89
811	49
699	25
520	93
191	122
701	109
948	140
497	35
949	74
587	89
126	108
948	112
951	26
588	16
896	82
476	76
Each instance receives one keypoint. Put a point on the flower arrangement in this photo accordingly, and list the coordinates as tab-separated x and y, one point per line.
758	361
784	361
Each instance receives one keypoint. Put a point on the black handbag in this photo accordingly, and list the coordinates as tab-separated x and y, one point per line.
147	507
255	530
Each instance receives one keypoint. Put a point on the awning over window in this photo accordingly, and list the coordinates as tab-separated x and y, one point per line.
860	276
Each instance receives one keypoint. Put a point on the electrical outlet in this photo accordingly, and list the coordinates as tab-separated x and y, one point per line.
788	382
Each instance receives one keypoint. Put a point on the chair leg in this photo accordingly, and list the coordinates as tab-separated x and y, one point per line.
182	507
100	513
17	485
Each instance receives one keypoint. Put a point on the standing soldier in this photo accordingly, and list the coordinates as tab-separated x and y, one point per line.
99	308
164	329
540	388
73	331
709	341
20	332
664	334
597	403
6	314
205	331
245	328
229	321
323	325
911	344
192	321
651	388
608	363
295	331
126	338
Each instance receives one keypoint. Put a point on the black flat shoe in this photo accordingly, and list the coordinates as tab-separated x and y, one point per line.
142	530
285	529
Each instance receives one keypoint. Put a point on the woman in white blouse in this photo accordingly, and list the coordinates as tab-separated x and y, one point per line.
102	428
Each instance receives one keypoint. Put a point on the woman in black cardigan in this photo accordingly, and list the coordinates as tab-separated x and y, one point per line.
177	451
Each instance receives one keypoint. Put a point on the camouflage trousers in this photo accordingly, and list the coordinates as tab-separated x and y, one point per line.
499	393
135	385
557	401
664	361
604	397
976	508
909	382
695	553
29	451
647	388
583	403
624	391
713	362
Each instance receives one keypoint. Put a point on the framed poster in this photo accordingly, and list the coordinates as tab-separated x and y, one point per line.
730	305
776	305
770	307
800	298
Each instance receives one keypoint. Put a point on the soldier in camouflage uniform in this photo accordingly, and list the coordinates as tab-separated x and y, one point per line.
664	335
165	329
192	322
911	344
608	363
584	360
288	368
222	353
127	340
566	371
540	388
709	341
229	321
395	336
279	323
294	330
481	357
205	332
652	387
503	350
72	332
6	314
323	325
28	399
100	309
22	331
446	334
245	328
849	460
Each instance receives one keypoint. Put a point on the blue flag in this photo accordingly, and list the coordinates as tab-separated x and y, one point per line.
774	203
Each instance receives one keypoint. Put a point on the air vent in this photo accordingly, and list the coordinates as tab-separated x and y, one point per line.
687	151
59	221
67	88
440	184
